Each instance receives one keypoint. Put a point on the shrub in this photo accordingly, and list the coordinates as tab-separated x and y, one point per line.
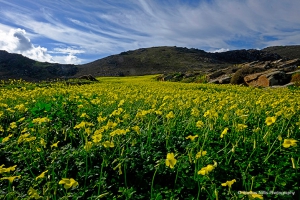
296	79
238	76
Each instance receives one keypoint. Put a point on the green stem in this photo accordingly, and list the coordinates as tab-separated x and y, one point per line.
152	182
100	178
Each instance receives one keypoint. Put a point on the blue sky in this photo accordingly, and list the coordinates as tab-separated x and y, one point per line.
81	31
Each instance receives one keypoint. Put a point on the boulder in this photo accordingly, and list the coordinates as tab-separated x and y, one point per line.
294	62
268	78
88	77
221	80
214	75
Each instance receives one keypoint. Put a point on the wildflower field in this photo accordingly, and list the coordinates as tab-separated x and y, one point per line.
136	138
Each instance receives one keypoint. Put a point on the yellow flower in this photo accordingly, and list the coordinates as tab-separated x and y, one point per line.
136	129
42	175
170	161
13	125
33	193
199	124
101	119
241	127
107	144
192	138
88	146
54	145
205	170
254	196
40	120
68	183
289	142
228	183
3	170
170	115
84	115
224	132
195	112
11	178
201	153
7	138
270	120
97	137
43	143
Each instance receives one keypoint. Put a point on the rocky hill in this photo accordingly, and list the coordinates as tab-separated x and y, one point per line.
16	66
155	60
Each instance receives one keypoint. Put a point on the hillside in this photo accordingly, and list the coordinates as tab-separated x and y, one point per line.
16	66
169	59
291	52
154	60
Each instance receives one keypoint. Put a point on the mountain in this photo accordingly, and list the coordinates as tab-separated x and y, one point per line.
16	66
291	52
154	60
157	60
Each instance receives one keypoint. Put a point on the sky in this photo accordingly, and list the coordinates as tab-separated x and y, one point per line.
81	31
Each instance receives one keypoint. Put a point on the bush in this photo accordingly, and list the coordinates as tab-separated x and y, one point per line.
296	79
238	76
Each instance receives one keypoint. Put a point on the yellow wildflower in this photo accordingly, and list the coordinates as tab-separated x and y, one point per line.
241	127
270	120
33	193
96	137
42	175
107	144
228	183
3	170
170	115
224	132
54	145
13	125
254	195
84	115
68	183
289	142
200	153
199	124
7	138
170	161
88	146
192	138
206	170
23	137
43	143
11	178
136	129
40	120
101	119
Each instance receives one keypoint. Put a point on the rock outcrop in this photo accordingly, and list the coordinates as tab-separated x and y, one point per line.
259	73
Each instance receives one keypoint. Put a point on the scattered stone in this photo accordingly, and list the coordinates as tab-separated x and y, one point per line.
88	77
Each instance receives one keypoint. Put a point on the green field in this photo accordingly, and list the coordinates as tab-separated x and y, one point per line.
136	138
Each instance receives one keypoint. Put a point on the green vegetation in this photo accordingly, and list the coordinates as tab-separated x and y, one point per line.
136	138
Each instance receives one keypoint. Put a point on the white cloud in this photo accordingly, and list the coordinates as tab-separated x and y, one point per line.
16	41
219	50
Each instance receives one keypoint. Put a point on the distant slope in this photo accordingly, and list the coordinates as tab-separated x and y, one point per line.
168	59
154	60
291	52
16	66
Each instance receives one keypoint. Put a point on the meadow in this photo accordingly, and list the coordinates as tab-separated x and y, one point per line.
136	138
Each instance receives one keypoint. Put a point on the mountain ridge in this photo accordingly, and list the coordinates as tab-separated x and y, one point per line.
143	61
